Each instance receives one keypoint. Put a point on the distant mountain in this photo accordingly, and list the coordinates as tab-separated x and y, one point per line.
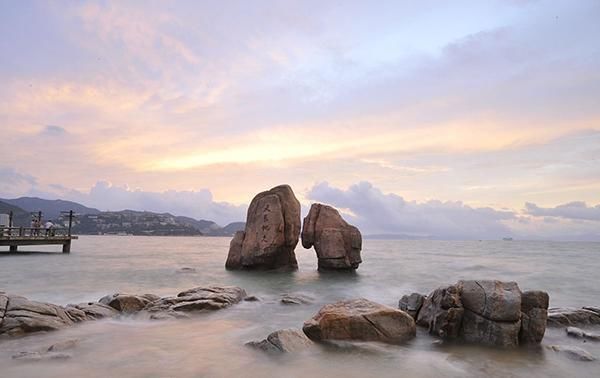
232	228
50	208
205	226
21	218
149	223
94	221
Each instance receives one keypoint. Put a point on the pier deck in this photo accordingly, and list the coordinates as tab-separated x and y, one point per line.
13	237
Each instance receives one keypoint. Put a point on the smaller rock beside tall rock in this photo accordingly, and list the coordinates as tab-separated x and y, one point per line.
337	243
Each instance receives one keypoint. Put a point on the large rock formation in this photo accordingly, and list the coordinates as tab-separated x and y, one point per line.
486	312
336	242
271	234
360	319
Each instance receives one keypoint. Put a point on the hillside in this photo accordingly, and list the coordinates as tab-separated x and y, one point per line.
50	208
94	221
21	218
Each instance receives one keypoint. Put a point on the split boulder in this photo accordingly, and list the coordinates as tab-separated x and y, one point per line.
337	243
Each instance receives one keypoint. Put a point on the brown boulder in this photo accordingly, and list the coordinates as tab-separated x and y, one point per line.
361	320
22	316
337	243
442	312
534	314
492	312
283	341
271	234
128	303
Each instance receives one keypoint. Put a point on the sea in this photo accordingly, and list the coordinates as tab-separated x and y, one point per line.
212	344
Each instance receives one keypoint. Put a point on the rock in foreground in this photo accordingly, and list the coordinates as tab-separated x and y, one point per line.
193	300
486	312
285	340
271	234
19	315
411	304
361	320
336	242
573	316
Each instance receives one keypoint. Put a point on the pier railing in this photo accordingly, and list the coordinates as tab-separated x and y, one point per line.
33	233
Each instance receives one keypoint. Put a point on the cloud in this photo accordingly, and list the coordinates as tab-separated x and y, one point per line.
53	131
572	210
198	204
13	183
377	212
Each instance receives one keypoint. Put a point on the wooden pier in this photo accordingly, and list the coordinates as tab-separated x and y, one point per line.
13	237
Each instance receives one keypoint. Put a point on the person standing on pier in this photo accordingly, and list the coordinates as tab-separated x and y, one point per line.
49	228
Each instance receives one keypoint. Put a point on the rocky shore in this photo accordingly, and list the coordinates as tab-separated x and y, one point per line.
480	312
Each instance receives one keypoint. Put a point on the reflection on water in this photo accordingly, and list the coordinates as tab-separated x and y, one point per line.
212	345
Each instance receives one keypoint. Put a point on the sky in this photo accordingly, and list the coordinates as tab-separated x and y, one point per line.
476	119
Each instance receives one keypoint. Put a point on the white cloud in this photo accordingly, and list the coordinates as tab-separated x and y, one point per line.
572	210
377	212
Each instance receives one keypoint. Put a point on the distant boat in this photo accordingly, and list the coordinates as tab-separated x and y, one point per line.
507	239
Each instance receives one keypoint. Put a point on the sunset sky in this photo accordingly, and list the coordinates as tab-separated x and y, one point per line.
430	118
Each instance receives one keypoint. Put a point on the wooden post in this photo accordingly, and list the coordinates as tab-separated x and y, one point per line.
70	221
66	247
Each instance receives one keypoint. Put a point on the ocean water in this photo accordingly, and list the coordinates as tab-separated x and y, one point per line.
212	345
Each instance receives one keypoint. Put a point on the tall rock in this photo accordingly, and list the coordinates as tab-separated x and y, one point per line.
336	242
271	234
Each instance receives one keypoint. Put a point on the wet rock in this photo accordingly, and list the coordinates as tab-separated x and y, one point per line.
251	298
271	233
534	315
578	333
296	299
285	340
41	356
197	299
360	319
492	313
22	316
494	300
442	312
411	304
92	310
573	352
481	330
337	243
573	316
128	303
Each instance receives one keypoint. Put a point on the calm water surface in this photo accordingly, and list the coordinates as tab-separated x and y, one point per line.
212	345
